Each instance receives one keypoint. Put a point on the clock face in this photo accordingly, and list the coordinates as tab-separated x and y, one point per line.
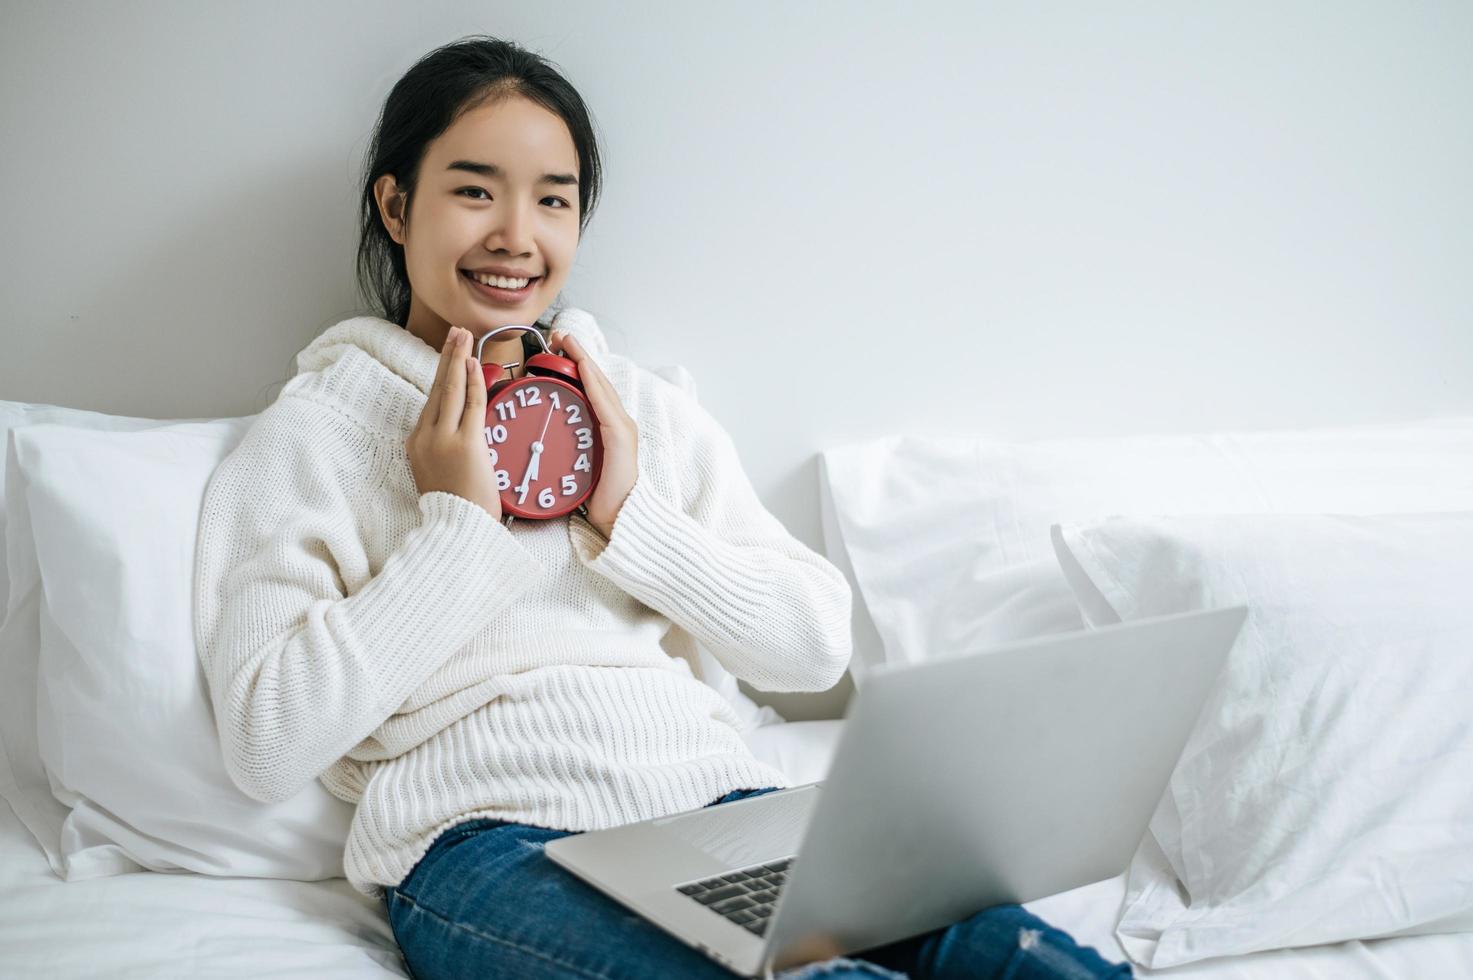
540	433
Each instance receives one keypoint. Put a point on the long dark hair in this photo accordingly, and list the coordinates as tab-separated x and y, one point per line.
449	81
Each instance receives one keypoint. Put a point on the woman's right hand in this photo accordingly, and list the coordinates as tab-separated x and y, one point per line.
447	448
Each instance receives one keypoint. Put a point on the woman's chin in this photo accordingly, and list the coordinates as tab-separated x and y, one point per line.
479	323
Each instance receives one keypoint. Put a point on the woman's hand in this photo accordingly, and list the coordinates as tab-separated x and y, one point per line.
447	449
619	433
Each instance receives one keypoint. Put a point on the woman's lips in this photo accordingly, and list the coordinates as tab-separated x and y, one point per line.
498	295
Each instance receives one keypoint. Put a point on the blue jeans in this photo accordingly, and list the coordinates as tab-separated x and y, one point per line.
485	901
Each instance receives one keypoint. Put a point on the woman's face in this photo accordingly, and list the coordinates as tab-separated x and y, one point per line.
498	189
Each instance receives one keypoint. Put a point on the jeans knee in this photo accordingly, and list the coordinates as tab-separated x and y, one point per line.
837	966
1035	956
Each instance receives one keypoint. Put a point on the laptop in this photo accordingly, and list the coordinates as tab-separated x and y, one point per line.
1001	776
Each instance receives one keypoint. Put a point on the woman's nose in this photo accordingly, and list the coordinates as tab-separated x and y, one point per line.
513	231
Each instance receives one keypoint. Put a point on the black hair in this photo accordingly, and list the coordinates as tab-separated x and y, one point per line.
443	85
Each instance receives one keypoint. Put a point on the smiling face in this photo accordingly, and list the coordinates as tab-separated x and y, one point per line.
496	191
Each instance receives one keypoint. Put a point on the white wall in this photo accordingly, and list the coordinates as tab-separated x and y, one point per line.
846	220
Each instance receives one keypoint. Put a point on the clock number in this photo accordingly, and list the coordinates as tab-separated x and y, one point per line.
552	396
529	396
545	498
573	417
585	437
506	410
498	432
570	485
494	457
583	463
503	479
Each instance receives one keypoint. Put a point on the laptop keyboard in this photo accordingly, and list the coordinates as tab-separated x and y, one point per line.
745	896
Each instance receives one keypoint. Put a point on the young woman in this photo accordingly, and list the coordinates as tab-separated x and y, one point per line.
367	619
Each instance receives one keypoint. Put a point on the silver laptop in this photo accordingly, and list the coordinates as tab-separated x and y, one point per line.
957	784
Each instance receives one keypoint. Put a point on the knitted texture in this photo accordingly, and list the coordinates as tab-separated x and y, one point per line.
430	665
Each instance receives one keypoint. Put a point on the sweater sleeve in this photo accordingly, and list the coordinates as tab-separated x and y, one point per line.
300	667
694	542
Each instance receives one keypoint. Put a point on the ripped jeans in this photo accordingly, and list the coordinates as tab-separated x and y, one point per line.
485	901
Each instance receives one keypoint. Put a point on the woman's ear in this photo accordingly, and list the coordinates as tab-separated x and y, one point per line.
390	206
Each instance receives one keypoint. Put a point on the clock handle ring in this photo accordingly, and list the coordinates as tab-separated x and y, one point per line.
491	333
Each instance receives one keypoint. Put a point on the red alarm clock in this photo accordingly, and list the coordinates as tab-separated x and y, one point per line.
541	433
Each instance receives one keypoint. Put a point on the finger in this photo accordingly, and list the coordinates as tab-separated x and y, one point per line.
475	397
603	399
588	368
447	353
597	384
452	395
569	344
572	349
578	354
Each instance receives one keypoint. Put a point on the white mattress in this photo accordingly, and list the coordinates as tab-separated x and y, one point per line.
165	925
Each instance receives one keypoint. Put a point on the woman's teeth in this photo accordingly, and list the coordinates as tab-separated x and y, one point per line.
500	282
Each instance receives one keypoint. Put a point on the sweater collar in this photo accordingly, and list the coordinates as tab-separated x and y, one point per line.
375	371
411	358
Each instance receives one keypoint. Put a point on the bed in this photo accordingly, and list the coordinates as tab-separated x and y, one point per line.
147	924
951	545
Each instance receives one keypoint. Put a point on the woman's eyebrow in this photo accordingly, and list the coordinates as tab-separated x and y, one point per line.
492	170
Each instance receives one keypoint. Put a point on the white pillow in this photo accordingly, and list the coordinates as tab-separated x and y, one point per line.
16	414
1325	793
23	781
123	720
946	537
900	520
801	750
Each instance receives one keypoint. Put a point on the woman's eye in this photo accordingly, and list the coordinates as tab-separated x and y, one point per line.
482	190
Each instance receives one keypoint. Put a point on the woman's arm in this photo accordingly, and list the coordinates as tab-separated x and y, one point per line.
694	542
299	670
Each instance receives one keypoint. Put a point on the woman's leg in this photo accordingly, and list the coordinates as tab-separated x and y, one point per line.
485	901
1006	942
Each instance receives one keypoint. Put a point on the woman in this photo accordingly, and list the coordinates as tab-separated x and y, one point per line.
367	619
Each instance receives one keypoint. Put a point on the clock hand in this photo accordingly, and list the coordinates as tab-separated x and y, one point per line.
531	473
532	467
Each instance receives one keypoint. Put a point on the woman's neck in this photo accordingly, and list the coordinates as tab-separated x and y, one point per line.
508	348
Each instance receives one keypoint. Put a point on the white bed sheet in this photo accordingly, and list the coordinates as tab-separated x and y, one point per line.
148	924
151	925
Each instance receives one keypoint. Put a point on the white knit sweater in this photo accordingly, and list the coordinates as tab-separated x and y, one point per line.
430	664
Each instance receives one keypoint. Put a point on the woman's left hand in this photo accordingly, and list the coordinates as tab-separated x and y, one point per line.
619	433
